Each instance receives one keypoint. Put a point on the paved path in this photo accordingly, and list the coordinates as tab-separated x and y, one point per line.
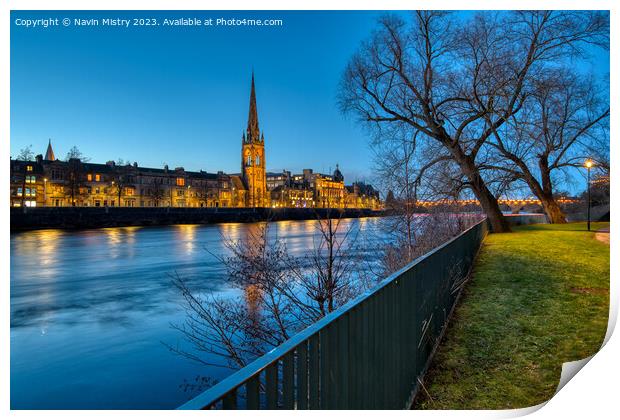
603	235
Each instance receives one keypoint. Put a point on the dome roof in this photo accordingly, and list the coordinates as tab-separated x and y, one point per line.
338	175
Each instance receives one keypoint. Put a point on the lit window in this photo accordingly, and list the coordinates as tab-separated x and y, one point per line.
129	191
19	191
30	203
97	177
31	179
180	182
89	177
29	168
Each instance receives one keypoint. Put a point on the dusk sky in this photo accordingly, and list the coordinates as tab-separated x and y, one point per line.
179	95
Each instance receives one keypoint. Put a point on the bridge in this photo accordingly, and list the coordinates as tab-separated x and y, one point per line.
514	205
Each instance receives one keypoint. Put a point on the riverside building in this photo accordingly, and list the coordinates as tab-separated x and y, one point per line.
49	182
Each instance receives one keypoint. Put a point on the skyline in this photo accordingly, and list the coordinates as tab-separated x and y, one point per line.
178	95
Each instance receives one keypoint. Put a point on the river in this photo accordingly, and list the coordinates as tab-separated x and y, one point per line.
92	309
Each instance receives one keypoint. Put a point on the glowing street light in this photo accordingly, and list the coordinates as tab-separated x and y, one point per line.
588	164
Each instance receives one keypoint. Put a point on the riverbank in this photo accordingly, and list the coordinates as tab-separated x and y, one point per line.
24	218
538	297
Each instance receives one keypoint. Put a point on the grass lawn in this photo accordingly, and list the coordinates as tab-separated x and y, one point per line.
538	297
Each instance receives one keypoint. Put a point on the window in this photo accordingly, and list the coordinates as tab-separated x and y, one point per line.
56	174
96	190
30	179
257	160
19	191
97	177
248	161
29	168
180	182
180	193
31	192
30	203
130	191
89	177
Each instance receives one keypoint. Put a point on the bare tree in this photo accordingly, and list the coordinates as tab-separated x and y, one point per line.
325	275
394	168
120	178
157	193
280	296
556	129
75	153
26	154
234	331
75	174
458	84
433	228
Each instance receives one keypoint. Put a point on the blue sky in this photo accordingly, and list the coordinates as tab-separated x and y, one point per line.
180	95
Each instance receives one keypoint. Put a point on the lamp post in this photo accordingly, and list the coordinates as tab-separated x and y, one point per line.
45	192
588	164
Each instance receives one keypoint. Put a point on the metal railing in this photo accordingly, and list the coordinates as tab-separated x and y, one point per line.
368	354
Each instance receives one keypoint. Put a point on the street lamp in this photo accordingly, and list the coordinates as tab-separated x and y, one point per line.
588	164
45	191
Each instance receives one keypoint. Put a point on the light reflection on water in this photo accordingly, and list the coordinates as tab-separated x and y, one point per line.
90	309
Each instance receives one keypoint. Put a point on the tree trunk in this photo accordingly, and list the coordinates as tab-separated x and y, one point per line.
490	206
545	195
487	200
552	209
24	189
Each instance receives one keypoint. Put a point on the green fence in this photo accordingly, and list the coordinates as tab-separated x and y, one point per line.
370	353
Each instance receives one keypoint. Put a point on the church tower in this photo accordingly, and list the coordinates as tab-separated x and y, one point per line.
253	158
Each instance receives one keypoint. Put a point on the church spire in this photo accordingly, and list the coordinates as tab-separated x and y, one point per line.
49	155
253	134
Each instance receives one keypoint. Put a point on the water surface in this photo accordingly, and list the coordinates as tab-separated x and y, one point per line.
90	309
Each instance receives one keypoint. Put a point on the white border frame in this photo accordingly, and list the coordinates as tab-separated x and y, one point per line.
592	393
